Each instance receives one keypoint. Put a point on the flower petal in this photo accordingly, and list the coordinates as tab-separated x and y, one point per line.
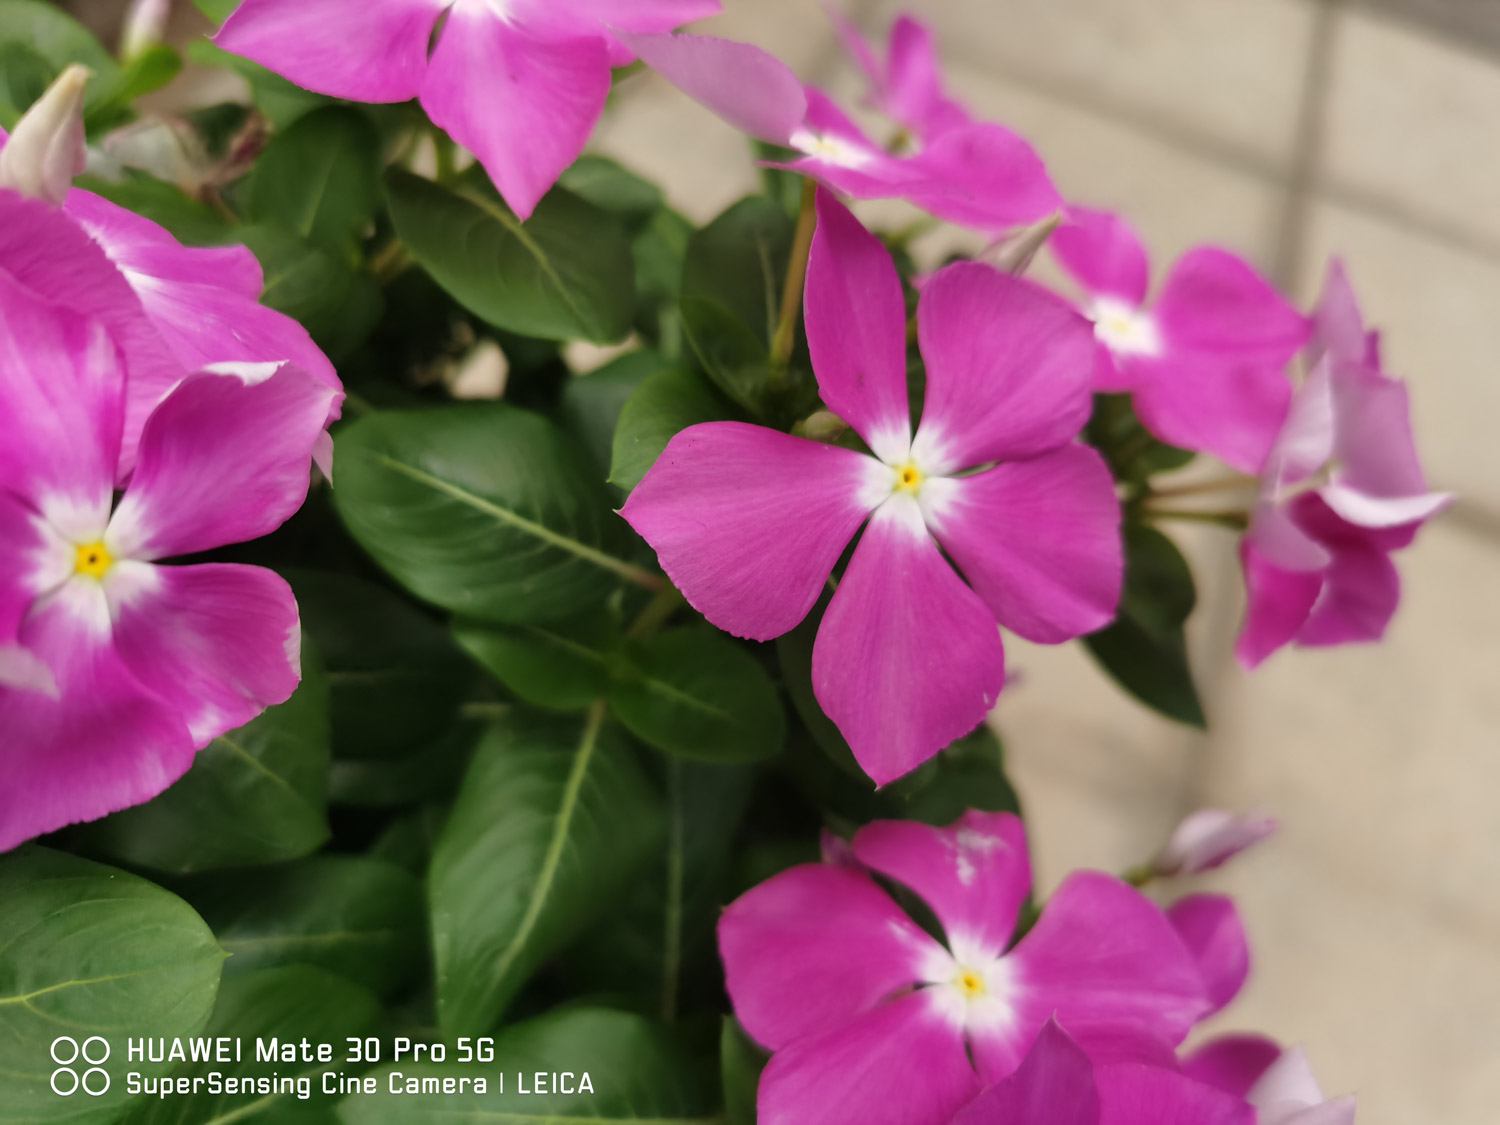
1360	594
856	329
1214	303
907	657
1038	540
1338	326
814	947
841	156
1103	253
524	104
224	459
101	744
363	50
1054	1084
1287	1081
975	874
901	1064
1233	1063
913	95
1009	368
1105	960
1337	1111
1150	1095
1229	408
1210	926
32	565
985	176
1378	481
750	89
62	385
1209	838
1277	605
748	522
219	642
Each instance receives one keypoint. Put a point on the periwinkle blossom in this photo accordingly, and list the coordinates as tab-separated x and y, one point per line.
1278	1082
1058	1084
1208	839
906	84
520	83
171	309
749	522
1205	363
115	670
976	174
1341	491
873	1020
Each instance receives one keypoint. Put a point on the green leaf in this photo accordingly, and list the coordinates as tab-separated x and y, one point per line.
37	42
357	917
659	948
699	694
146	73
564	666
741	1062
487	510
165	204
553	821
395	677
337	304
216	10
663	405
566	273
430	771
287	1004
320	178
1132	452
612	188
591	404
86	950
731	295
1145	650
638	1071
255	795
970	774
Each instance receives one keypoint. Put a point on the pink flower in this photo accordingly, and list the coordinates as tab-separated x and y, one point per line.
1211	929
976	174
749	522
1278	1083
172	310
1206	362
872	1020
1342	489
1210	838
521	83
907	85
1058	1084
119	668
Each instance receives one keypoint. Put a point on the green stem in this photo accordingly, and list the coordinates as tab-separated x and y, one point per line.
392	260
666	601
791	293
672	939
1233	518
1204	487
903	236
1140	875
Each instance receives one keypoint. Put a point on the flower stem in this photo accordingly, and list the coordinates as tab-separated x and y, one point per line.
791	293
390	262
1140	875
666	601
1203	487
1231	518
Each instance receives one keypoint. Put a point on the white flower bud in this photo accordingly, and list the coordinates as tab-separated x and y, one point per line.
47	149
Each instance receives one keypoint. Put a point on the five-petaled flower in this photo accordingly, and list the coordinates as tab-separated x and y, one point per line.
1206	363
521	83
1341	490
873	1020
114	670
907	84
749	522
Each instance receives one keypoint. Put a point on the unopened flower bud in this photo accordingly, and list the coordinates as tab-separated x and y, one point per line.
145	27
46	149
1013	253
1209	838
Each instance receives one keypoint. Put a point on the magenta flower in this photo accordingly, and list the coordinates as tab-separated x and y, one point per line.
1211	929
1210	838
1206	362
1278	1083
520	83
1342	489
978	174
749	522
906	85
872	1020
114	670
172	310
1058	1084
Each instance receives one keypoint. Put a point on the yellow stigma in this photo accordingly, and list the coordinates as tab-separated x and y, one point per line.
94	560
971	984
909	478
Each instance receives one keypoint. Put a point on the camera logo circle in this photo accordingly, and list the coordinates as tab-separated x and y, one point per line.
66	1052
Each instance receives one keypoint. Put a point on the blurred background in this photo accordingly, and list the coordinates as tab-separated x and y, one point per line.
1285	130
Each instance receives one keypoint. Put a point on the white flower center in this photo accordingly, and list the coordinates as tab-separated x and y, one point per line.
825	146
1123	328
